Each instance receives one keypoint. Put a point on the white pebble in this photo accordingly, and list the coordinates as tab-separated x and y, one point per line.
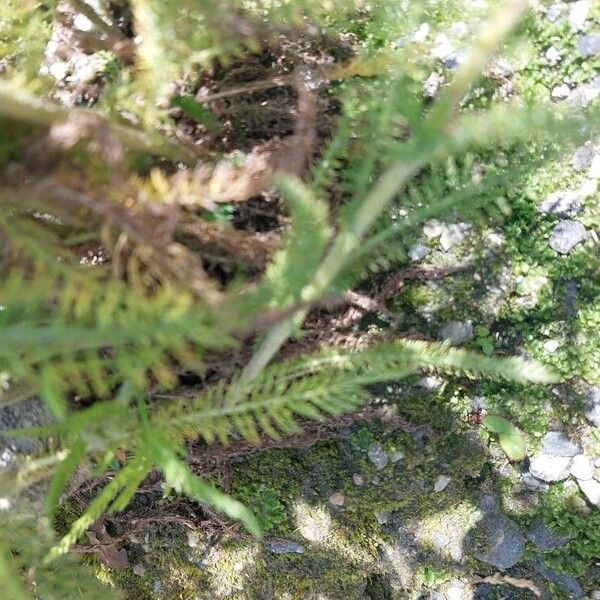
551	346
441	483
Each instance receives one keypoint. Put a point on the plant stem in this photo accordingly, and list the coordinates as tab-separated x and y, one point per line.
349	239
18	104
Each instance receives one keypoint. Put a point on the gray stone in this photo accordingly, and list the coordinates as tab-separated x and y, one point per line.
499	542
284	547
397	456
383	517
589	44
436	596
566	235
441	483
582	467
550	468
500	68
582	157
457	332
553	12
560	92
442	47
377	456
557	443
591	490
568	582
432	229
139	569
578	14
544	538
534	484
566	203
583	95
456	591
432	85
592	410
453	234
336	499
553	56
358	479
418	252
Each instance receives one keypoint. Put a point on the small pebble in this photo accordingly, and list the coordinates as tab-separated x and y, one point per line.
82	23
551	346
441	483
578	14
560	92
589	45
383	517
358	479
139	569
377	456
553	12
418	252
457	332
422	33
591	490
582	157
59	70
397	456
336	499
550	468
432	229
553	56
556	443
442	47
566	235
432	85
192	539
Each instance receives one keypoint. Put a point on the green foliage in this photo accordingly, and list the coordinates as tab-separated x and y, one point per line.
24	538
106	346
568	516
265	503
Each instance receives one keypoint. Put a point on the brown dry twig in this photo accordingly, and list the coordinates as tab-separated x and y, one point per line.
499	579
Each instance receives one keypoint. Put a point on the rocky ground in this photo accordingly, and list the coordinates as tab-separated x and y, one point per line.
422	502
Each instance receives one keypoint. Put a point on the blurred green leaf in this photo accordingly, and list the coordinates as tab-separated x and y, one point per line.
193	109
510	438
